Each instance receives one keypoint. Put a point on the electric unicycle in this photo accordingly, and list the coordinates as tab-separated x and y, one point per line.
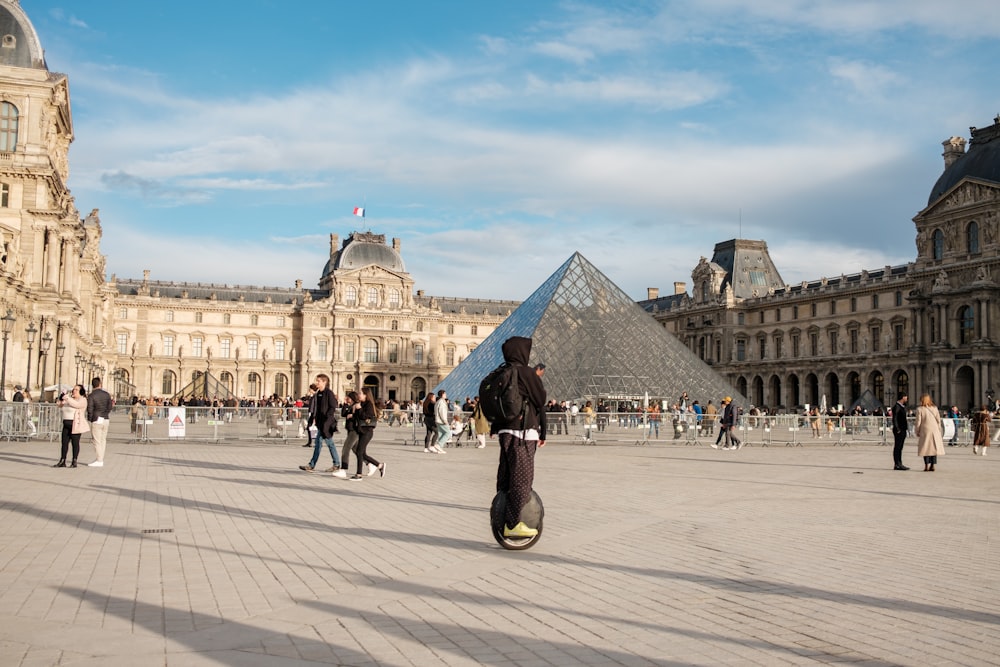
531	514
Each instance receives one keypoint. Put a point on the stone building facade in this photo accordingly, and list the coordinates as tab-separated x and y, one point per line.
927	326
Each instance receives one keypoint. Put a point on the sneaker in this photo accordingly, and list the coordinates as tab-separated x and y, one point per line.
713	445
306	468
739	445
381	470
427	451
480	446
372	469
984	451
520	530
332	469
96	464
341	473
356	478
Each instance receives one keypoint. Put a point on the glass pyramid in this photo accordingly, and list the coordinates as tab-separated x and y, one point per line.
205	386
596	343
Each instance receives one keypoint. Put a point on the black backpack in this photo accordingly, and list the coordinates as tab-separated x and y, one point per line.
500	395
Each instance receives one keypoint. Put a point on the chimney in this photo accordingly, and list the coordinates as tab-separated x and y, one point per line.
396	244
334	240
652	293
298	284
954	148
420	292
680	288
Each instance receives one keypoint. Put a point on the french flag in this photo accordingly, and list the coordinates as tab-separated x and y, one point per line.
359	211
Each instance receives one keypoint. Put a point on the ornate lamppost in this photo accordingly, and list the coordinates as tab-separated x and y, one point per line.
8	326
60	353
43	352
30	332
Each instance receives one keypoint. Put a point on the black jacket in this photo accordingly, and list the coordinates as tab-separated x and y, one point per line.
325	412
899	424
517	351
99	404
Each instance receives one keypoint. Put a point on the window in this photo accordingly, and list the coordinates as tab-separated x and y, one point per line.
371	351
226	318
972	237
279	321
418	354
876	335
758	278
795	346
167	383
760	317
253	384
777	347
252	348
281	384
4	195
474	330
321	350
833	307
814	344
762	344
449	356
123	313
349	350
812	309
394	298
322	322
741	318
197	318
8	128
350	322
196	345
705	291
393	353
777	314
899	298
394	325
937	244
224	346
168	316
897	335
254	320
854	341
874	301
795	312
420	326
121	343
833	342
168	345
854	304
351	295
966	324
372	297
451	329
741	350
279	349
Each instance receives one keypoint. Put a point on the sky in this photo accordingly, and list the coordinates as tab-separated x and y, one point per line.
225	141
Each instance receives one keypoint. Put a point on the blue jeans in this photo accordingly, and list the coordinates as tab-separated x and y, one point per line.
318	447
444	432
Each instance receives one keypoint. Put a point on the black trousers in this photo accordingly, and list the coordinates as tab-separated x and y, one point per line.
364	437
431	436
897	448
67	437
516	474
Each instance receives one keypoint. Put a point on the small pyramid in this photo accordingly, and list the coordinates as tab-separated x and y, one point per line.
595	342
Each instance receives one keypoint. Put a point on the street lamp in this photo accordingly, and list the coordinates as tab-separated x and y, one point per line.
60	353
8	326
43	351
77	358
30	331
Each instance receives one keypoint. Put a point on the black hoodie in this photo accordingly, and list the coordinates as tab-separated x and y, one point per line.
517	351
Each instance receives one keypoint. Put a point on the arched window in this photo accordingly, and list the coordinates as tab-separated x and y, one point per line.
394	298
4	195
966	324
8	127
281	385
372	297
226	378
937	244
350	322
972	237
420	326
253	385
704	291
254	320
351	295
371	350
168	382
451	329
322	322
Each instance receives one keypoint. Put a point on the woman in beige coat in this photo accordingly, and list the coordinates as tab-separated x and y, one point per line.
930	442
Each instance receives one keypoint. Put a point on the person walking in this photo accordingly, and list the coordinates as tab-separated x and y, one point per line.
430	428
981	430
520	437
324	416
441	421
480	423
729	419
930	440
351	439
366	416
99	415
74	409
899	427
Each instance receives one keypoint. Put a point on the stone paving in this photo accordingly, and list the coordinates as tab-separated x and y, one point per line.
227	554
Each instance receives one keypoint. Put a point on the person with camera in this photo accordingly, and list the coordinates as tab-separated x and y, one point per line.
74	415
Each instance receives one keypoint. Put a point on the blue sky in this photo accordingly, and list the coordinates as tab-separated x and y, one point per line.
225	141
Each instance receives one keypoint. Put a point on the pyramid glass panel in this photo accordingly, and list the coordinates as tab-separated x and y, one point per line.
596	343
207	386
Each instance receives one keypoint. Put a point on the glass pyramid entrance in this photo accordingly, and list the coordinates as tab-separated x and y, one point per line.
205	386
596	343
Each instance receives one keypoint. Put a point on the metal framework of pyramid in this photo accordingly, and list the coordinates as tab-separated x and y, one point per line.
596	343
205	385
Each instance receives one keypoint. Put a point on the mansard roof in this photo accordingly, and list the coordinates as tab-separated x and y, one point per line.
981	161
209	291
749	268
19	44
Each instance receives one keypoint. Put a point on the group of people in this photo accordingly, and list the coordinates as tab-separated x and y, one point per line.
930	432
82	415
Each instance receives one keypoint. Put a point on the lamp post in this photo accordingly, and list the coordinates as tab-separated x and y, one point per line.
8	326
43	352
77	358
60	353
30	332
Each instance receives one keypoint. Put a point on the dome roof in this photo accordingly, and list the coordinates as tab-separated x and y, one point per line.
20	45
363	249
982	161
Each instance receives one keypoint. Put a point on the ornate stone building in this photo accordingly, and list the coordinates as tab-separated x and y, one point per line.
927	326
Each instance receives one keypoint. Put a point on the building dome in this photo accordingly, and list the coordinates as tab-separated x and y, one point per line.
982	161
359	250
19	45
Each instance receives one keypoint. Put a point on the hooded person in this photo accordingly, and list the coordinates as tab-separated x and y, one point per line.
519	437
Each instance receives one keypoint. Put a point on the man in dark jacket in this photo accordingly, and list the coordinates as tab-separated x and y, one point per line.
324	415
899	428
519	437
99	405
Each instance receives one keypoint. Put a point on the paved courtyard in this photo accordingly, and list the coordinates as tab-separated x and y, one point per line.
227	554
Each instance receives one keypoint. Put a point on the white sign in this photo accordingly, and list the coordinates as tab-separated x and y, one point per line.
175	422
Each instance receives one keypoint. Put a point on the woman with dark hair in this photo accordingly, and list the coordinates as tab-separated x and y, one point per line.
430	437
365	418
74	411
981	430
